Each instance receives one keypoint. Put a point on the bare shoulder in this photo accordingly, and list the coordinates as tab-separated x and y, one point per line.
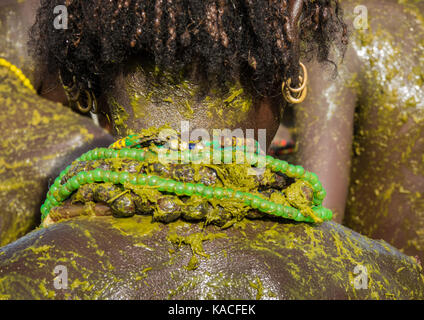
135	258
400	23
387	49
39	138
387	168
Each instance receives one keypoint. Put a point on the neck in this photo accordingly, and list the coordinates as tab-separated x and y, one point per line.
143	97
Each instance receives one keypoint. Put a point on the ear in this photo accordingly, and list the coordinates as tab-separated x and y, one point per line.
295	11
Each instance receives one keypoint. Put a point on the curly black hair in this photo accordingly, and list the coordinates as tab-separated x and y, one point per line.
230	37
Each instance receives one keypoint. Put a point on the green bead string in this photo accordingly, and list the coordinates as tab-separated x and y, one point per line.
58	193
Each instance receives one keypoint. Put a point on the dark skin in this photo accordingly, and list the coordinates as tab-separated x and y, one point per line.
125	258
109	258
262	112
18	17
383	172
53	136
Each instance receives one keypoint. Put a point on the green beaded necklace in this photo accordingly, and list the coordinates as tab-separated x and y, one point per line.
60	192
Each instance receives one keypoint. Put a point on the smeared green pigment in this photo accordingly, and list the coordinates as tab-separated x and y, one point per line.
131	258
30	123
154	96
195	241
119	118
315	260
229	109
389	133
234	196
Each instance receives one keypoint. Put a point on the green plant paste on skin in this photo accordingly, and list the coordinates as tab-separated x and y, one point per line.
226	196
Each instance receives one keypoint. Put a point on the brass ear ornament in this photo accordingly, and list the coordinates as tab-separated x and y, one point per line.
74	97
296	95
89	101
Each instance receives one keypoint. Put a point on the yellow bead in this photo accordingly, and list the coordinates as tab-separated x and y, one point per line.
19	74
27	83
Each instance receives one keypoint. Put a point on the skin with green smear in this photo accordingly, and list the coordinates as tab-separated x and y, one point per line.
391	124
152	91
16	19
139	173
369	124
37	141
38	137
129	258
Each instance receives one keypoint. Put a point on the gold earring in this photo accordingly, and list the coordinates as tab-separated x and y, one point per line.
74	97
89	103
296	95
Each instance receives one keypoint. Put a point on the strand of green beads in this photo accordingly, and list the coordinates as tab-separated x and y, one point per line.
137	154
298	172
95	154
128	141
103	154
178	188
276	165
